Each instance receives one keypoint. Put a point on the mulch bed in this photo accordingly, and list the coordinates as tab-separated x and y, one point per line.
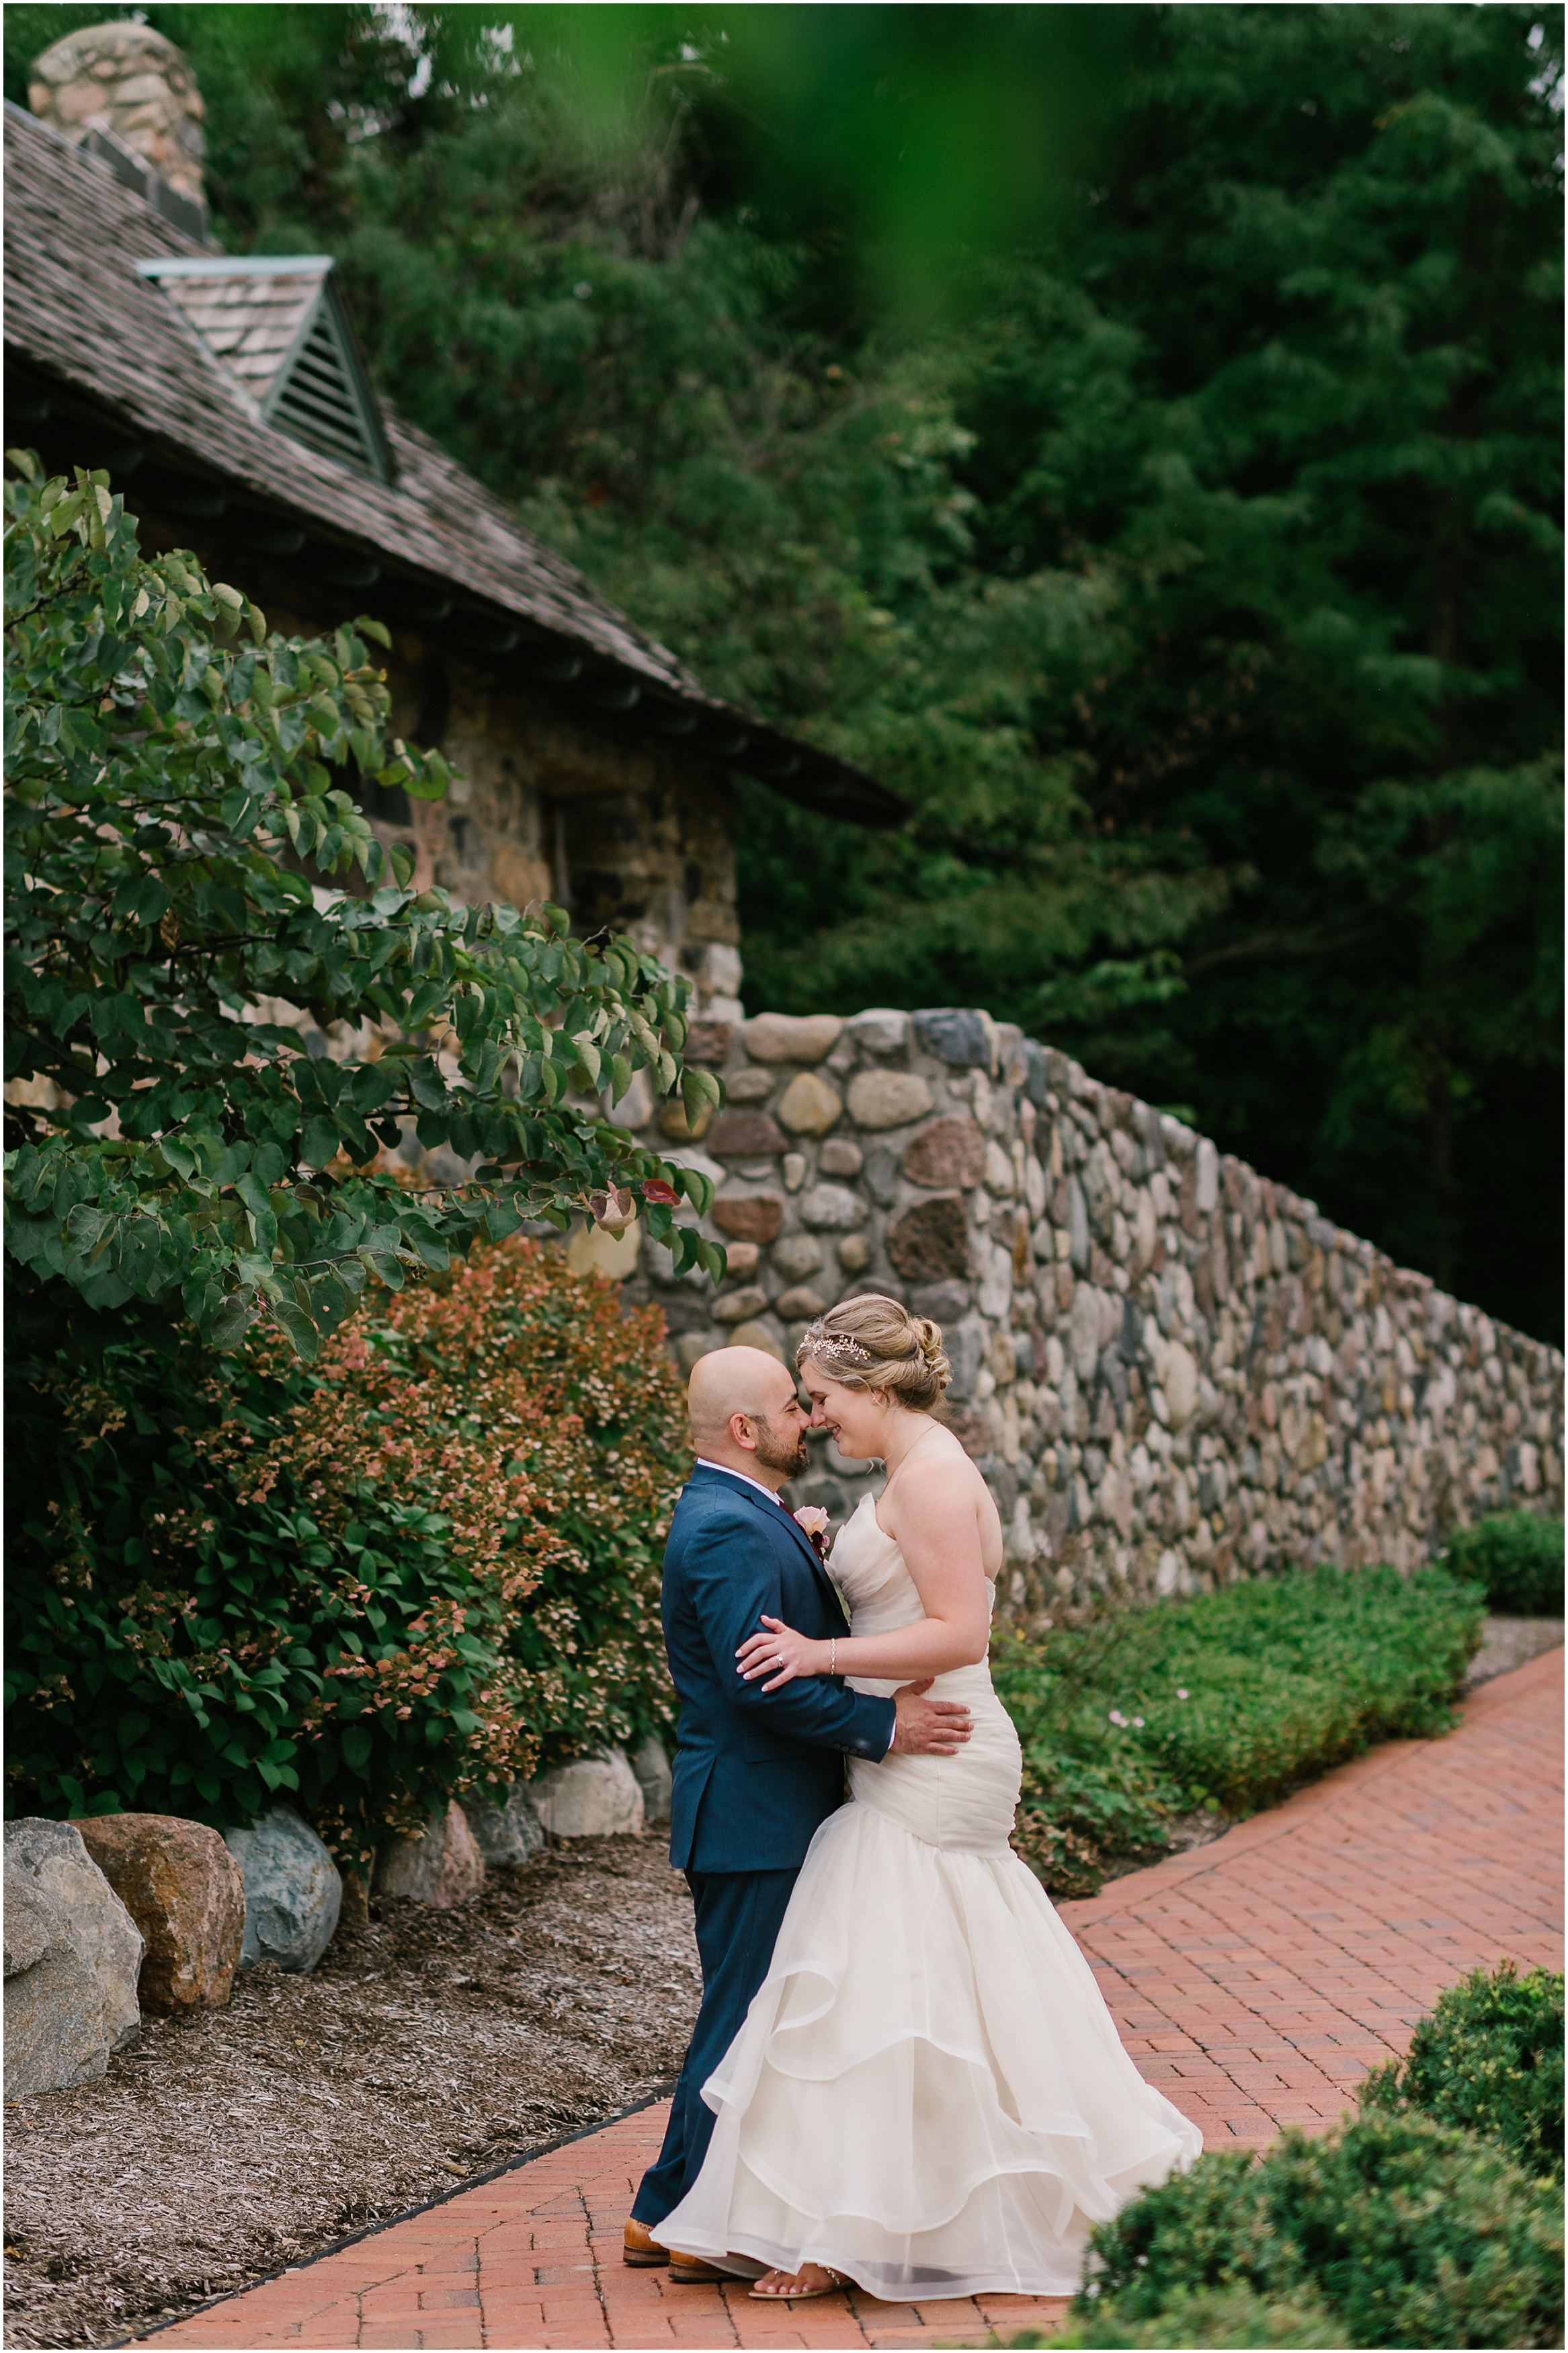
425	2049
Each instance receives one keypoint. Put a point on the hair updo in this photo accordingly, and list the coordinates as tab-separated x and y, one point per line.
872	1343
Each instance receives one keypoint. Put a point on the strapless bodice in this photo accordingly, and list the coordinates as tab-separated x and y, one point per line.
963	1801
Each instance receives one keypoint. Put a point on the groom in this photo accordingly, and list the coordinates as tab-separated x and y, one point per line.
756	1772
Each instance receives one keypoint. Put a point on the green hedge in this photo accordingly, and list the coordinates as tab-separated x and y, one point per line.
1231	2316
1228	1700
1517	1557
1406	2231
1489	2059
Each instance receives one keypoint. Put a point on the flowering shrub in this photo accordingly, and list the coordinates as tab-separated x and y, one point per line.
425	1562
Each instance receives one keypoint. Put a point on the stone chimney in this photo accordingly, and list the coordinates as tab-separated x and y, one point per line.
126	80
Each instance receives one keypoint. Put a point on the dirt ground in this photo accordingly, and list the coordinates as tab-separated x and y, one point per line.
424	2050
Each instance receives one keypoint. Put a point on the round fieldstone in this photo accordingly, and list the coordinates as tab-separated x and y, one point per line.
591	1796
673	1122
186	1893
929	1244
782	1037
809	1106
831	1208
797	1255
957	1036
944	1302
757	1335
881	1030
949	1153
755	1217
741	1260
839	1157
708	1042
507	1833
51	1858
749	1086
293	1894
746	1135
443	1867
736	1306
650	1767
800	1305
887	1098
855	1253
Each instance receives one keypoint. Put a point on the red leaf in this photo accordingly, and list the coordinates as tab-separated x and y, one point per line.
654	1188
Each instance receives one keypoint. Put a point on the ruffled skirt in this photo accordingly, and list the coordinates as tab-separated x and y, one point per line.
928	2092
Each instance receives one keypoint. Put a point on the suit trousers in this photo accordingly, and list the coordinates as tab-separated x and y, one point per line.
739	1915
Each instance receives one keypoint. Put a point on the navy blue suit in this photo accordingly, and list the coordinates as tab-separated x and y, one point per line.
756	1773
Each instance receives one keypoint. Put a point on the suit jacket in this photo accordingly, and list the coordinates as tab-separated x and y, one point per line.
755	1773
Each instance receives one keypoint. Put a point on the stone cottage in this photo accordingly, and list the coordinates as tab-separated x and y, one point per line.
227	398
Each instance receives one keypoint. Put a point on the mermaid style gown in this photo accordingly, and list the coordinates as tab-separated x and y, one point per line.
928	2092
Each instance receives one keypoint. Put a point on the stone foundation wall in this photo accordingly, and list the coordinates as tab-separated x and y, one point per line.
1171	1371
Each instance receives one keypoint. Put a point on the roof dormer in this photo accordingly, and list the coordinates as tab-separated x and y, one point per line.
279	328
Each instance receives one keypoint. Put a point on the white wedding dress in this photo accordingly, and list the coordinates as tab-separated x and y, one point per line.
928	2092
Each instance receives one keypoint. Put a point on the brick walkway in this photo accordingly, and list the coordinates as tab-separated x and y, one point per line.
1257	1980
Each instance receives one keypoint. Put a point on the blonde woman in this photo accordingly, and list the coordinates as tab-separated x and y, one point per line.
927	2096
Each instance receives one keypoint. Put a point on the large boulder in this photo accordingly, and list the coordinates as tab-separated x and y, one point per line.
650	1767
443	1867
293	1892
510	1833
72	1954
183	1890
592	1796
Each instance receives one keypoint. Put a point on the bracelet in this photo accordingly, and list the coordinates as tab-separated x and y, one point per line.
833	1656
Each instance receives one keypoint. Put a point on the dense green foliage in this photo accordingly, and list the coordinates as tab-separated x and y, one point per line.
1488	2058
1518	1557
1134	434
178	1147
1407	2233
1232	2316
423	1562
1228	1700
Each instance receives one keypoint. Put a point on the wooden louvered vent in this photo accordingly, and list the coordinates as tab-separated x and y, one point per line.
315	398
277	327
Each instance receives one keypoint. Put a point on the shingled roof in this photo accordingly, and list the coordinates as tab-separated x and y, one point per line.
86	323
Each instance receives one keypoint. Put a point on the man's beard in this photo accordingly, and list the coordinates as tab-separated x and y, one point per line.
780	1453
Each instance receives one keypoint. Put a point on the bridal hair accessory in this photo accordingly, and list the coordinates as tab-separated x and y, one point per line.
838	1348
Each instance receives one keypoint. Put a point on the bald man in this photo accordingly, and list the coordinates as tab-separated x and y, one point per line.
756	1772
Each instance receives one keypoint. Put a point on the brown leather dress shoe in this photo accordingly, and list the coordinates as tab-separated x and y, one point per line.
696	2271
639	2246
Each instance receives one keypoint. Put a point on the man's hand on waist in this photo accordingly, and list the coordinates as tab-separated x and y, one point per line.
927	1727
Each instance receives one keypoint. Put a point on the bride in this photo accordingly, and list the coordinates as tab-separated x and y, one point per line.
927	2096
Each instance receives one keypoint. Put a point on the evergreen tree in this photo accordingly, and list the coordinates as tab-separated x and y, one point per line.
1133	434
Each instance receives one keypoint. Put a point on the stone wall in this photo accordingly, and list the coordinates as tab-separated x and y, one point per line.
1171	1371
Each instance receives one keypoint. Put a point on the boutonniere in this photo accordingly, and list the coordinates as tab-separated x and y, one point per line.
812	1521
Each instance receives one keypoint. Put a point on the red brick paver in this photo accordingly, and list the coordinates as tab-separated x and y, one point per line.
1256	1980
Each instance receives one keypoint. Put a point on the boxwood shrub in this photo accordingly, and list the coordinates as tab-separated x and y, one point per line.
1517	1557
1228	1701
1406	2231
1488	2058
